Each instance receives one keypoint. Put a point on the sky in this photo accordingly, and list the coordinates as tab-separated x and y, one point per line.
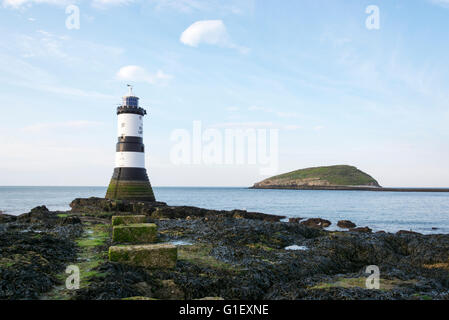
333	89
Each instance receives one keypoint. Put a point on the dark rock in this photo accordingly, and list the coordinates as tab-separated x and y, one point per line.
190	213
295	220
317	223
145	289
346	224
69	220
36	215
407	232
40	210
96	206
5	218
361	229
169	290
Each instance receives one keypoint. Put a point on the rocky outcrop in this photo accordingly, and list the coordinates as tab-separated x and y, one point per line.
346	224
295	220
407	232
97	206
317	223
159	210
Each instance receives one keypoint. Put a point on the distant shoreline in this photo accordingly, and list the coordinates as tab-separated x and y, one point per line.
349	188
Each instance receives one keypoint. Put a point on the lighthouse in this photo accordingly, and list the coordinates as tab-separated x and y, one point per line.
130	180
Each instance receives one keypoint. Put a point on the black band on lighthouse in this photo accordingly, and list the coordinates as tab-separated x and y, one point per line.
131	109
130	139
130	174
129	147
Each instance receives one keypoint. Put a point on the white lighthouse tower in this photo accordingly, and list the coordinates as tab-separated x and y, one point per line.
130	180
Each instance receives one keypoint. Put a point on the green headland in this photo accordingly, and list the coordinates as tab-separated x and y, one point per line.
321	177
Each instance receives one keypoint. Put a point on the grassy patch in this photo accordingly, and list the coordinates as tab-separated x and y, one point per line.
422	296
259	246
92	251
441	265
335	175
385	284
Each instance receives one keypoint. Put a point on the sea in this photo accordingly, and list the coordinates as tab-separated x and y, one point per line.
427	213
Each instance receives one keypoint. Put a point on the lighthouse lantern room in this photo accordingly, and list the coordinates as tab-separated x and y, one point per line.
130	180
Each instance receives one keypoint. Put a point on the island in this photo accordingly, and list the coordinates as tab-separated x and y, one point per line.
338	177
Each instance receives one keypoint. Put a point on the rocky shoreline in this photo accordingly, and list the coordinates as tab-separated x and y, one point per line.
227	254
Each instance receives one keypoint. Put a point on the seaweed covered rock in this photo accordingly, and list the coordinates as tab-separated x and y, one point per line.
37	214
149	256
29	262
96	206
158	210
183	212
5	218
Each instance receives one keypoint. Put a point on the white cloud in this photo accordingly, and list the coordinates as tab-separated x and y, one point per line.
16	4
189	6
39	127
180	5
443	3
212	32
280	114
292	127
206	31
17	72
256	125
104	3
248	125
139	74
20	3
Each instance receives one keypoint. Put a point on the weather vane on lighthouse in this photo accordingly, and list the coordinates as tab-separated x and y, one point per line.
130	180
130	87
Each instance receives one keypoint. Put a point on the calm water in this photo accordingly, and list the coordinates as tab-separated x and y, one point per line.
387	211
